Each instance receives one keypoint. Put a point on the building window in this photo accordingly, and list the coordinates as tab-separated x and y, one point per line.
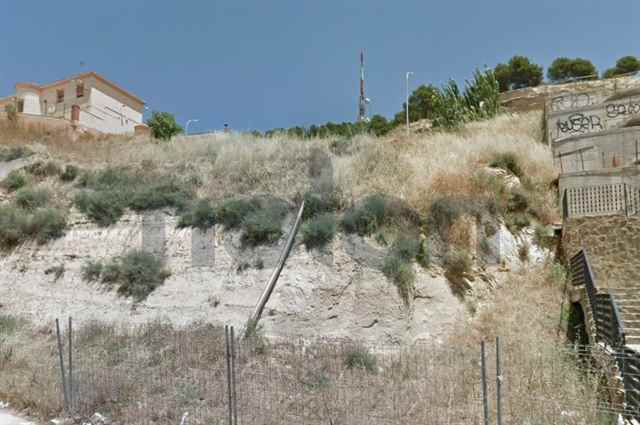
20	105
80	90
46	107
60	95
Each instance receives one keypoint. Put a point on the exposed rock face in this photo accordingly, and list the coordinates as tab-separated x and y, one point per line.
337	293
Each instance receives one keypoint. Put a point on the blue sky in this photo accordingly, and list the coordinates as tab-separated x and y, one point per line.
280	63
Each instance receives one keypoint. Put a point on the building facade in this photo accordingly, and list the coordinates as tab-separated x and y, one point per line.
87	100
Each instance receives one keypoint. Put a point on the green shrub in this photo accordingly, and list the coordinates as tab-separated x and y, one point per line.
70	173
519	72
14	181
406	247
163	125
517	221
104	207
10	153
315	204
200	215
30	199
46	224
137	274
159	195
18	225
359	357
366	218
444	211
319	231
562	69
423	257
233	212
523	252
400	272
507	161
263	226
91	271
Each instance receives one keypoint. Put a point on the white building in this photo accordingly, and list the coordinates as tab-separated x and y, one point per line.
88	100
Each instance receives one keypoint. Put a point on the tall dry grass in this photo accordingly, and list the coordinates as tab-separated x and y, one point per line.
155	373
416	169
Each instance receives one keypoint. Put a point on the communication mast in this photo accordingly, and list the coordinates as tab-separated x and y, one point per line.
362	102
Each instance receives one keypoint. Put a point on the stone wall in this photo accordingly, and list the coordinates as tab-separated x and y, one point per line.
612	244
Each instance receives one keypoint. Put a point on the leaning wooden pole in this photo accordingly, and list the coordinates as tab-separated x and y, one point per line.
257	313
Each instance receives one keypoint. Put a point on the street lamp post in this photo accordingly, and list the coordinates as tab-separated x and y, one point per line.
186	127
407	87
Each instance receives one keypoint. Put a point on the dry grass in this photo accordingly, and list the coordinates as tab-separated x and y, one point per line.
158	372
416	169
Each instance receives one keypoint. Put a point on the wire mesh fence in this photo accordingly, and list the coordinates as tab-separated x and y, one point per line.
158	374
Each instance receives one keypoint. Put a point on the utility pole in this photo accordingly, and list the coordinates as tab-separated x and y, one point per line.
407	108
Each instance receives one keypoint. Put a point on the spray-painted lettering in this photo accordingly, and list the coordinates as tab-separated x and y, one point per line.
579	123
570	101
615	110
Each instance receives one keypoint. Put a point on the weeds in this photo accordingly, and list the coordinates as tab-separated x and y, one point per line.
30	199
263	225
232	212
10	153
200	215
457	265
14	181
319	231
18	225
70	173
137	274
359	357
507	161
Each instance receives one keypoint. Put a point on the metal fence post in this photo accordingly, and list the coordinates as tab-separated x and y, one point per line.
485	401
498	383
233	377
70	365
62	373
228	363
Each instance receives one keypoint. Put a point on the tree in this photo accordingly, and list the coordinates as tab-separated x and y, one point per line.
420	105
565	68
163	125
519	72
379	125
624	65
524	73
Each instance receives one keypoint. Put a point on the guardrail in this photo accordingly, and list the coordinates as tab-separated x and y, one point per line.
606	315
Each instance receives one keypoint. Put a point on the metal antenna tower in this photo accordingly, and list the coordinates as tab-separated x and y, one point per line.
362	102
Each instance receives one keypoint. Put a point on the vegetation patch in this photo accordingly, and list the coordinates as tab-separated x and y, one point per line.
264	225
109	192
14	181
137	274
359	357
233	212
10	153
316	204
319	231
18	225
200	215
44	169
507	161
376	211
457	264
30	198
70	173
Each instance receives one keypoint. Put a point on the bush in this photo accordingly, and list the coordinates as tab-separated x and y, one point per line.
263	225
14	181
519	72
163	194
367	217
233	212
12	114
70	173
508	161
518	202
517	221
18	225
400	272
316	203
30	199
104	207
406	247
319	231
565	69
137	274
163	125
10	153
444	211
91	271
201	215
359	357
